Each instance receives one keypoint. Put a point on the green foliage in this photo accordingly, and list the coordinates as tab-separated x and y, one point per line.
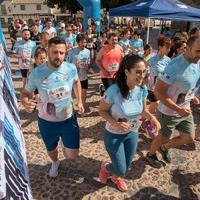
114	3
72	5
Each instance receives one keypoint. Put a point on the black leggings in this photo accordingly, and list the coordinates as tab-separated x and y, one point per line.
107	82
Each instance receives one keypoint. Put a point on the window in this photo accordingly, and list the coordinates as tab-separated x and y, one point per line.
22	7
10	19
38	7
3	9
2	20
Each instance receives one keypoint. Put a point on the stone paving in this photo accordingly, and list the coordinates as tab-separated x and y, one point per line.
79	179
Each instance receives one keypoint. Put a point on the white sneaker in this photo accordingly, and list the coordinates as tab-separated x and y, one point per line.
53	172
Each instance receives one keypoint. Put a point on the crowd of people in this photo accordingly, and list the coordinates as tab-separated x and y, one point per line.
139	89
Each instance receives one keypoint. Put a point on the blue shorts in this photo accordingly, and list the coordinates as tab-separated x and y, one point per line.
68	130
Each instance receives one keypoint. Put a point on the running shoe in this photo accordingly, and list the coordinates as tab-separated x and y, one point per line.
165	155
120	183
153	160
103	174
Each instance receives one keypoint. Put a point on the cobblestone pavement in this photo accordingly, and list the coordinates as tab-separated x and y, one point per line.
79	179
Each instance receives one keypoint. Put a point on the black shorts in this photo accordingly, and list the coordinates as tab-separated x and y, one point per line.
84	84
151	97
24	72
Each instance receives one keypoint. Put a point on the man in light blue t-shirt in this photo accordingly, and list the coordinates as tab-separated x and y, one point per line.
175	89
80	56
22	50
56	118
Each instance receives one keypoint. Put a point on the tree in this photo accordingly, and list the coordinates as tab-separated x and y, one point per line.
72	5
114	3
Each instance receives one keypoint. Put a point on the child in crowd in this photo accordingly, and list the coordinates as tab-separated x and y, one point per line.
40	57
147	52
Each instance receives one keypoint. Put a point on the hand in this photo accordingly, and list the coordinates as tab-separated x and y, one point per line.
2	66
155	123
122	126
195	101
184	112
30	105
80	108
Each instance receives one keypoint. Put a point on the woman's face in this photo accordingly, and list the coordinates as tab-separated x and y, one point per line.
127	35
181	49
148	51
136	75
165	49
41	59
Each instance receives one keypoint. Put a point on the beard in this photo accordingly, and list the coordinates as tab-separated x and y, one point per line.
26	39
56	63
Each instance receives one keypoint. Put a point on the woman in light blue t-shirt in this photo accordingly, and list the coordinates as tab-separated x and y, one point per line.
121	107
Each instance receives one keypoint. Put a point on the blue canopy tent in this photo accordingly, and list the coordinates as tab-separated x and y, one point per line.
157	9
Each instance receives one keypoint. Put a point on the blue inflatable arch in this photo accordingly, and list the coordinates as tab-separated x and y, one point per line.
91	10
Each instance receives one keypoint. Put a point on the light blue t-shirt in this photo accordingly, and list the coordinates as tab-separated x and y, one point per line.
156	67
125	45
136	44
182	78
70	40
124	109
23	47
55	88
81	58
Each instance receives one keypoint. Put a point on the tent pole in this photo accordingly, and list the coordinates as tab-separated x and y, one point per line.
148	28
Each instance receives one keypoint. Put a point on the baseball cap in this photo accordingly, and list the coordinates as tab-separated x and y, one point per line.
62	25
17	25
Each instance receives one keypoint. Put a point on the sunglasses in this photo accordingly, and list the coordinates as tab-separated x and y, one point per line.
69	30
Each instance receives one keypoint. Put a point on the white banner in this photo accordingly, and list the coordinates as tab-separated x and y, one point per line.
14	178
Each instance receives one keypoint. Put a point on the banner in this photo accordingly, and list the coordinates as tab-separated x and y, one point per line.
14	178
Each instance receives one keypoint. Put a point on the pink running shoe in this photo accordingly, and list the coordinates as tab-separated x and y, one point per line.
120	183
103	174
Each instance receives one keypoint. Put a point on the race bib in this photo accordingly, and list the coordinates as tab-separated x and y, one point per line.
183	100
58	94
113	67
135	124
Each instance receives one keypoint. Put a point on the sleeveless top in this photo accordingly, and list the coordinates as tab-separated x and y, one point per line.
111	60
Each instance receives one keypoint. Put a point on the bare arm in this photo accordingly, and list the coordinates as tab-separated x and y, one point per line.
98	62
152	118
161	94
77	91
99	59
